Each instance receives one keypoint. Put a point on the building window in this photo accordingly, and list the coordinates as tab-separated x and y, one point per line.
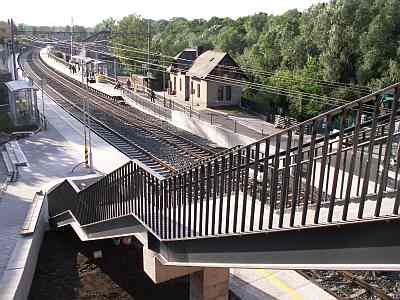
198	90
191	87
180	84
174	83
220	93
228	93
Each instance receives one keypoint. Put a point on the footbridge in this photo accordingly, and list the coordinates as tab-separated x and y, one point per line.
323	194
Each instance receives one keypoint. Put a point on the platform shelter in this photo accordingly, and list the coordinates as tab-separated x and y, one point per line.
22	102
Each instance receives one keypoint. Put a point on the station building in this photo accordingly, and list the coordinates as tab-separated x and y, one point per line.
205	80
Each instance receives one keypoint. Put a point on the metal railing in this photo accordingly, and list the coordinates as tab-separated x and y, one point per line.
164	106
291	179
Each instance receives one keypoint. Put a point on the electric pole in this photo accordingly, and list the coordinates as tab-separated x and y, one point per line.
163	75
148	47
86	152
11	22
88	123
42	82
72	32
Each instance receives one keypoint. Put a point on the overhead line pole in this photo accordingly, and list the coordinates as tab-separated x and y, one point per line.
148	47
11	22
72	32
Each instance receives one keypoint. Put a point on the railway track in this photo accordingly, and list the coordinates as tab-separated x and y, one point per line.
346	285
123	144
162	150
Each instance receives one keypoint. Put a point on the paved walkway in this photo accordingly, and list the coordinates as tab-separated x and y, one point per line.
238	120
274	285
103	87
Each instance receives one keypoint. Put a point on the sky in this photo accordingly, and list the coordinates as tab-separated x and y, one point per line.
89	13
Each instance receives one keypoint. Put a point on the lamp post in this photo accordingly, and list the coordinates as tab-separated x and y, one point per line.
42	83
14	67
86	120
72	33
88	124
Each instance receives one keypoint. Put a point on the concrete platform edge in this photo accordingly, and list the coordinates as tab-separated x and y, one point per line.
18	276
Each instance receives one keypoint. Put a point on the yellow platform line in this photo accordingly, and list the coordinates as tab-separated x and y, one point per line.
271	277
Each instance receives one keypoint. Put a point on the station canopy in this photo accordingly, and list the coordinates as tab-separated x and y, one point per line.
18	85
86	60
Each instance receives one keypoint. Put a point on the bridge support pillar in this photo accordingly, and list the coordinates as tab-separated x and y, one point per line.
210	284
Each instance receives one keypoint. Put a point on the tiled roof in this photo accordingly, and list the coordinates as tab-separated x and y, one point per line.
205	63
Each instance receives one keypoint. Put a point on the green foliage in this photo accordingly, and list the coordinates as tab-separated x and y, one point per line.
351	41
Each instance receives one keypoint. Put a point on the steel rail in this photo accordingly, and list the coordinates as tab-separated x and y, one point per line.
161	165
150	128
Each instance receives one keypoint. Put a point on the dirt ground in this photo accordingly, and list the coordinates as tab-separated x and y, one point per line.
66	270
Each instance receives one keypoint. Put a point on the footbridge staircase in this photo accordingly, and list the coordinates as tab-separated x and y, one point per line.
323	194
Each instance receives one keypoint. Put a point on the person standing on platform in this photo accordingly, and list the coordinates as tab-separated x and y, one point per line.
117	85
128	84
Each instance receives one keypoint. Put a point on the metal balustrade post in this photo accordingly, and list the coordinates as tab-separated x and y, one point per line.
190	202
175	204
165	209
214	197
264	184
245	187
170	198
274	180
221	193
361	165
254	187
337	167
297	175
323	168
152	186
237	188
310	172
179	205
202	191
157	209
229	191
367	173
195	199
285	179
184	199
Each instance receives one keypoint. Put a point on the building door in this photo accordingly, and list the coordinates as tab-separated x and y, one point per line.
187	88
174	86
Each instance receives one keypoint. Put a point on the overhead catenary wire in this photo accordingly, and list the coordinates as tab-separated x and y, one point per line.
257	72
256	86
260	71
276	90
238	82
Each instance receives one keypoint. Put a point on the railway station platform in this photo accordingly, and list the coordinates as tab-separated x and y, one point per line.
65	135
105	88
52	155
234	119
238	129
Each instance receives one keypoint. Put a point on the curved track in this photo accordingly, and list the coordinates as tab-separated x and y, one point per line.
136	134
